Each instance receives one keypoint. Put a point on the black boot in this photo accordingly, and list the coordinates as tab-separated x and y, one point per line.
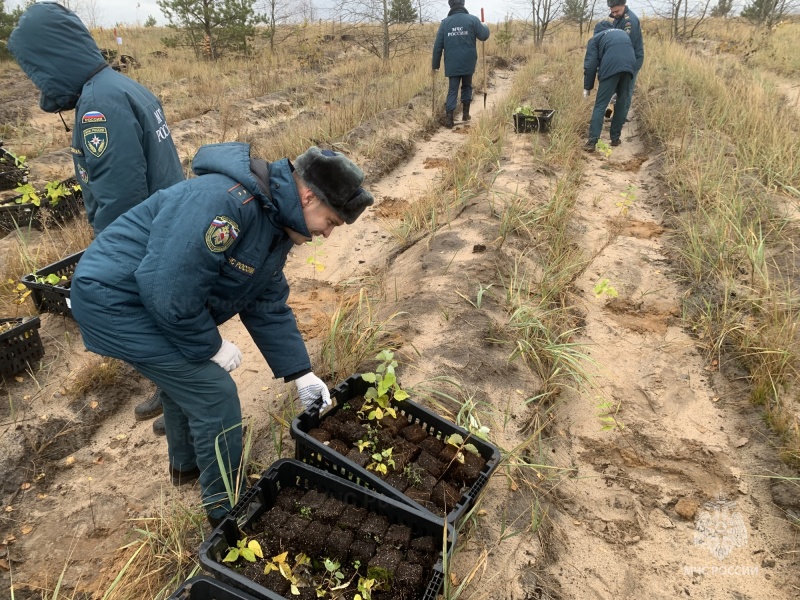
465	111
149	408
448	121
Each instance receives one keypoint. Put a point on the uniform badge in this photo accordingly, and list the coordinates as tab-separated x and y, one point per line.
83	175
93	116
95	139
222	232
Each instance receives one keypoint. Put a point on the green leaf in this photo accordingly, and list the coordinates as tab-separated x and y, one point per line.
401	395
368	377
232	556
456	439
472	449
248	555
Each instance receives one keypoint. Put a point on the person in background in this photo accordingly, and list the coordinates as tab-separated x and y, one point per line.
155	285
456	38
610	59
627	21
122	148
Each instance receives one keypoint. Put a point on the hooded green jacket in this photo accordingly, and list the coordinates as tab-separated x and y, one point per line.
122	148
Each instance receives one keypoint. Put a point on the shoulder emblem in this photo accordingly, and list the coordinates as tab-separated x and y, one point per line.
95	139
221	234
93	116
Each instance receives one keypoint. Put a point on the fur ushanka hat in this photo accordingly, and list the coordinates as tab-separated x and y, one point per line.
336	180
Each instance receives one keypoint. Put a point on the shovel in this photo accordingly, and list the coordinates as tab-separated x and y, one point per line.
433	94
483	51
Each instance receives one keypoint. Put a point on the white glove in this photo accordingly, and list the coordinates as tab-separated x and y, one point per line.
228	356
310	387
585	93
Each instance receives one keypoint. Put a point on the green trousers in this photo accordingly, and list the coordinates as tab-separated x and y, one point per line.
203	418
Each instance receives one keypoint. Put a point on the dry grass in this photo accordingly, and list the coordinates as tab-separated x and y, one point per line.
732	163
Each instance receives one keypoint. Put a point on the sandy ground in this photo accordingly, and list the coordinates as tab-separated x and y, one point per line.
667	503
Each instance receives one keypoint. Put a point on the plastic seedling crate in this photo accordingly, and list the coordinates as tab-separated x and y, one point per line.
205	588
288	472
14	216
12	173
539	121
312	451
20	345
53	298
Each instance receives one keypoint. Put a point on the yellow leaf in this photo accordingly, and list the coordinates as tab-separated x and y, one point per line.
280	558
19	379
69	461
295	591
25	486
26	529
256	548
453	578
514	487
285	569
94	404
9	508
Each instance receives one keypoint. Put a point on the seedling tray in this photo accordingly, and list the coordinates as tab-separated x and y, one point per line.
10	174
206	588
14	216
539	121
313	452
20	345
53	298
290	473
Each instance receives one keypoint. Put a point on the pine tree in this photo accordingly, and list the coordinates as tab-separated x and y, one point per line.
402	11
229	24
7	23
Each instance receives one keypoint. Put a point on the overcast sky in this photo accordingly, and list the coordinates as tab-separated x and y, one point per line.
132	12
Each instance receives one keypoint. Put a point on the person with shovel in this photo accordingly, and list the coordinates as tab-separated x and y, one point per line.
610	59
155	285
456	38
122	149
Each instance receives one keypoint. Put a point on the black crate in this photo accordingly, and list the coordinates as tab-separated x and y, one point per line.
206	588
314	452
14	216
288	472
53	298
539	121
20	345
10	174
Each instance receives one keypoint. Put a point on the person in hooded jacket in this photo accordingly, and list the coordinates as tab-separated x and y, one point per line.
155	285
626	20
610	59
122	148
456	38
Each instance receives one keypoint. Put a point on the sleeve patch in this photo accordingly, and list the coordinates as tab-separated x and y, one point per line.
95	140
93	116
221	234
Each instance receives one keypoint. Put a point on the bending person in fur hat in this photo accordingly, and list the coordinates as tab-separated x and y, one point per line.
155	285
456	38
